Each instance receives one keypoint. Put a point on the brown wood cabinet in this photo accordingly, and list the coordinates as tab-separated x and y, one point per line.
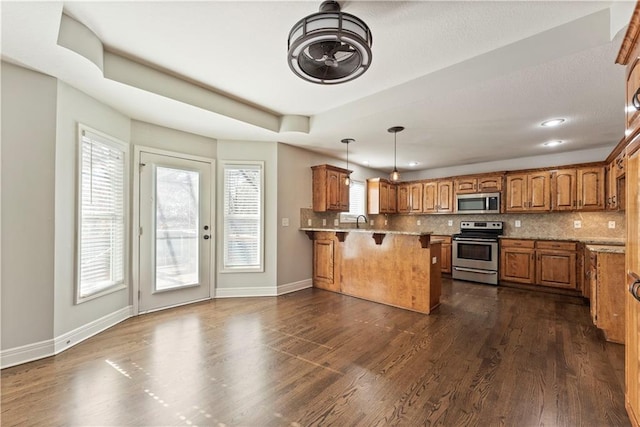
517	261
616	182
329	190
410	197
608	292
381	196
591	185
542	262
478	184
528	192
578	189
445	260
556	264
629	56
324	267
437	196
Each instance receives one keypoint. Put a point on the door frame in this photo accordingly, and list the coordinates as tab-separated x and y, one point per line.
135	223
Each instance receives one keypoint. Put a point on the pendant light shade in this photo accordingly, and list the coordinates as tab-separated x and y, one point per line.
395	175
347	141
330	46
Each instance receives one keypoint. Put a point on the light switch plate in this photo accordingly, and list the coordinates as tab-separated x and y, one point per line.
434	260
336	222
450	223
518	223
372	222
577	224
285	222
324	222
418	222
309	222
612	224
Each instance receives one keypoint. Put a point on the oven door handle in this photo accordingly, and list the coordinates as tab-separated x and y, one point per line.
468	239
473	270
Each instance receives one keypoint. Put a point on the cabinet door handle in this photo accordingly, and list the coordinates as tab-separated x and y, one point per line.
613	200
635	286
635	101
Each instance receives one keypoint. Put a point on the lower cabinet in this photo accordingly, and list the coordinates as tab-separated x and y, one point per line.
324	268
445	259
541	262
608	291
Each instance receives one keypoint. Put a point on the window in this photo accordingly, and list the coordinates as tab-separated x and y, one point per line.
356	202
102	213
243	219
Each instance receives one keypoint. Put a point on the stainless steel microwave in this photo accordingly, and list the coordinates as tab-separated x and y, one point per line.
479	203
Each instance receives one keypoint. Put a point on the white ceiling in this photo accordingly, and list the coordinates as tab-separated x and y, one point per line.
470	81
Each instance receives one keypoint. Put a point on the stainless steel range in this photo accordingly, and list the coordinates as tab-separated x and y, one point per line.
475	251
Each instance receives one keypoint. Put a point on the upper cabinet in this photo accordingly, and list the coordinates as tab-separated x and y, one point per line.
437	196
329	190
616	182
578	189
381	196
528	192
410	197
478	184
633	96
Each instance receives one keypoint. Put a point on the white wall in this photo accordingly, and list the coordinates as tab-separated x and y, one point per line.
76	107
241	284
163	138
294	192
28	144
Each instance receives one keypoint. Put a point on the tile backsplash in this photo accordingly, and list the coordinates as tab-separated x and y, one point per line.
557	225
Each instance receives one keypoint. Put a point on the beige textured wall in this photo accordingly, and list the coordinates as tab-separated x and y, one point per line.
557	225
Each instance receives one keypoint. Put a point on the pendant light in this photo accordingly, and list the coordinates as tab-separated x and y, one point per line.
347	180
395	175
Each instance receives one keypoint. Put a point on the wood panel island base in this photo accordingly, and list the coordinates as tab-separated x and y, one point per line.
401	269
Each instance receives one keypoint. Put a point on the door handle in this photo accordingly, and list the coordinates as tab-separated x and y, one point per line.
206	237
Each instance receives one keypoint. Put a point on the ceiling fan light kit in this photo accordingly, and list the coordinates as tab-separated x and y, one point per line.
329	47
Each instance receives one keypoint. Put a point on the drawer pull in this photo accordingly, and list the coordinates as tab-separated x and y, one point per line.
635	286
635	101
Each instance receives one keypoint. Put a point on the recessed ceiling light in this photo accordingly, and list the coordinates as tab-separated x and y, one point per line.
552	122
412	164
552	143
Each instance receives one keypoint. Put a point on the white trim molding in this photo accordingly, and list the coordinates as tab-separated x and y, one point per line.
265	291
295	286
30	352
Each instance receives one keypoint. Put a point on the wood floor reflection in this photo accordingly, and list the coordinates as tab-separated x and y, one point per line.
486	356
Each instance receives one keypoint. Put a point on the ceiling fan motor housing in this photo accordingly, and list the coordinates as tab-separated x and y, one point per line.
329	47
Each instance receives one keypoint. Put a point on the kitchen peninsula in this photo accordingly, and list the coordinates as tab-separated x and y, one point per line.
397	268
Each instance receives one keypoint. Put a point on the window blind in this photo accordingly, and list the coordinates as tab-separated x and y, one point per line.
102	214
356	198
242	216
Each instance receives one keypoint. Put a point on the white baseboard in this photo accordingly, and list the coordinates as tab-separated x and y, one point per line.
42	349
246	292
295	286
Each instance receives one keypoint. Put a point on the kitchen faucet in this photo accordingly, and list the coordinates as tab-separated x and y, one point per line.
358	219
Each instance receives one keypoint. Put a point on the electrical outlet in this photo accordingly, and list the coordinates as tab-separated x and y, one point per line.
386	222
371	222
450	223
518	223
285	222
418	222
434	260
612	224
309	222
577	224
324	222
336	222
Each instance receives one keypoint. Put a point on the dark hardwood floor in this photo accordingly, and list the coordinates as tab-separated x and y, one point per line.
487	356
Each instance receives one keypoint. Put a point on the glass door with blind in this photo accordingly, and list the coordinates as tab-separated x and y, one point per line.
175	231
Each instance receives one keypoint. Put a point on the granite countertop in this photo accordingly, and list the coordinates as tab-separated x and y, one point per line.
606	248
367	230
587	240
